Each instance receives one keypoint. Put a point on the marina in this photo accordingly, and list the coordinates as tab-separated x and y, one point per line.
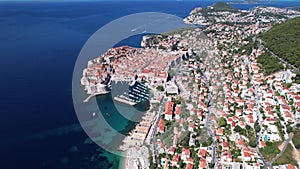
137	93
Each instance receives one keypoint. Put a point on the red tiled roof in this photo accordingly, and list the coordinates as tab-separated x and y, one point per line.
202	152
290	166
161	125
189	166
177	110
203	163
176	158
169	108
186	151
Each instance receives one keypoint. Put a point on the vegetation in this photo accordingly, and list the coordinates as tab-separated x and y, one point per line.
286	157
252	143
289	129
222	6
247	48
240	130
280	127
268	63
184	140
296	139
256	126
283	39
160	88
222	122
297	78
152	164
270	151
217	7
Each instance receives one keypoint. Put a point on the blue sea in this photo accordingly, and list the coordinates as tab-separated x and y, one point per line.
39	45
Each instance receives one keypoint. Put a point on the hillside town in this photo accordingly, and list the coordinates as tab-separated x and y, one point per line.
213	104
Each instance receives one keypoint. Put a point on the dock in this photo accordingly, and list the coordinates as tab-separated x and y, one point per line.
125	101
88	98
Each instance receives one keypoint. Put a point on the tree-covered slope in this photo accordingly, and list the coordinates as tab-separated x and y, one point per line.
284	40
222	6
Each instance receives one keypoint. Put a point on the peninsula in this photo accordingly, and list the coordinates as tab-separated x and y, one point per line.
221	99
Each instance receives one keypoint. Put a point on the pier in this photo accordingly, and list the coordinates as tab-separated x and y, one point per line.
94	94
88	98
123	100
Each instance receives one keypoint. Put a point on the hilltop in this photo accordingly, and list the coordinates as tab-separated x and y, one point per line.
283	40
222	6
205	16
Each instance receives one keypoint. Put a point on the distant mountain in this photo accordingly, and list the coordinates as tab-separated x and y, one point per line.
283	39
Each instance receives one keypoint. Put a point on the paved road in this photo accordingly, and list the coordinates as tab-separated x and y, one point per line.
153	136
207	126
284	148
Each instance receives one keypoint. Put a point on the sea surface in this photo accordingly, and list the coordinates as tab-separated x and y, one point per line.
39	44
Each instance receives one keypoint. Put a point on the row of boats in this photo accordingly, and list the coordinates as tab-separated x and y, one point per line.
137	93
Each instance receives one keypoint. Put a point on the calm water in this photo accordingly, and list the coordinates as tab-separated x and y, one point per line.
39	45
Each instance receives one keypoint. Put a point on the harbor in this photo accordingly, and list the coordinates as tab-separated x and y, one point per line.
137	93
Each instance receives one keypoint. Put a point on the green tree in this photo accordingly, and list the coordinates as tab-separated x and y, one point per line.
160	88
252	143
237	129
289	129
257	126
222	122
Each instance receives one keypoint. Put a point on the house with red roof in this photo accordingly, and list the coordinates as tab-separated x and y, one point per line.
177	112
175	160
171	150
169	110
290	166
202	106
219	132
226	156
189	166
161	126
202	164
225	145
240	143
185	153
202	153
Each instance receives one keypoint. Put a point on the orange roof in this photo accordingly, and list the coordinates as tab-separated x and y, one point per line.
186	151
176	158
177	110
263	143
290	166
246	154
189	166
225	144
161	125
220	131
203	163
169	108
202	152
241	142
